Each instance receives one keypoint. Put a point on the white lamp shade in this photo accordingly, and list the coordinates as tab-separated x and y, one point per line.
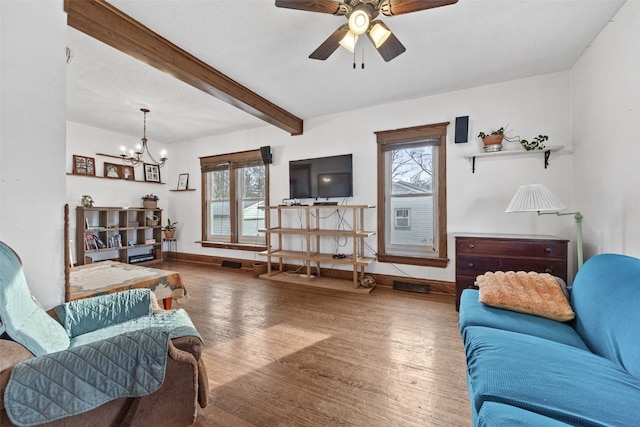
349	41
379	33
534	198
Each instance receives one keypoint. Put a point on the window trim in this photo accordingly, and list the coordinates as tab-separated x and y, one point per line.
240	159
406	137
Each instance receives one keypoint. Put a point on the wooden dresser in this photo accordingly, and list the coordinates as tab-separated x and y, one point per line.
478	253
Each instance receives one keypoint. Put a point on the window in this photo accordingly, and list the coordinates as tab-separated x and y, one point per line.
235	186
412	195
403	218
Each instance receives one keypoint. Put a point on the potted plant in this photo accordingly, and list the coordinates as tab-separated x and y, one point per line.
150	201
493	140
169	229
535	144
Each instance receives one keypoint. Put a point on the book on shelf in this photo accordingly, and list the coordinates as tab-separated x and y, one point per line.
93	242
90	243
115	241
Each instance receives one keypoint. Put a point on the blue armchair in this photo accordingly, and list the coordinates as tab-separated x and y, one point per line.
108	358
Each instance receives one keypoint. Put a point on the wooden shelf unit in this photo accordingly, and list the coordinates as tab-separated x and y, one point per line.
312	234
107	222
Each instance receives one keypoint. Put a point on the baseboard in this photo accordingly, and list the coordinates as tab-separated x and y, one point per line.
246	266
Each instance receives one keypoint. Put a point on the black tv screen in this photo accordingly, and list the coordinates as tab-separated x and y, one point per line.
322	177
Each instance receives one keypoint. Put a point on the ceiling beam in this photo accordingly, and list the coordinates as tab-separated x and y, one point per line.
102	21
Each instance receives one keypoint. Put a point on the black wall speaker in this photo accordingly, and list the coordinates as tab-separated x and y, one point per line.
266	154
462	129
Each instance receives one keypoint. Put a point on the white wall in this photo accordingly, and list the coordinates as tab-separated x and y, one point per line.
476	202
88	141
606	114
32	140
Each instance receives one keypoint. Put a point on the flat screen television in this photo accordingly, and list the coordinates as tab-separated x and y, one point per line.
321	177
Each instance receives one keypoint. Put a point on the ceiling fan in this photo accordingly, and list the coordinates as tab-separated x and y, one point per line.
361	15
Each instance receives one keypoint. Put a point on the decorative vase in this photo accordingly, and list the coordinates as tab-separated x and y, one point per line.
169	234
149	204
492	142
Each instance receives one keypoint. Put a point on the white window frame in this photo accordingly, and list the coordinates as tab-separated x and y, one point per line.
406	217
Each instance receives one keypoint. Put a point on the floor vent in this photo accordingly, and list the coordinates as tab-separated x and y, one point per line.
422	288
231	264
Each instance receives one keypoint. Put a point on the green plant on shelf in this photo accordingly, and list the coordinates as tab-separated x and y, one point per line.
171	226
535	144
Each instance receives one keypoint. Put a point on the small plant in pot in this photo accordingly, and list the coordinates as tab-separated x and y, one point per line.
493	140
150	201
169	229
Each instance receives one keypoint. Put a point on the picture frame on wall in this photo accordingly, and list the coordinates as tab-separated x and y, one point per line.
151	172
127	173
111	170
183	181
83	165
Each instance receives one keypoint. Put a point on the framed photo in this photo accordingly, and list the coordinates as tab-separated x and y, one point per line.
183	181
127	172
111	170
84	165
151	172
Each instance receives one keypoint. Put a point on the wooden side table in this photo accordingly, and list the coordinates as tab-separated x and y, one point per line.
478	253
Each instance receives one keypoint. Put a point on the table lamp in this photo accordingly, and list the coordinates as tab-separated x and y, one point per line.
538	198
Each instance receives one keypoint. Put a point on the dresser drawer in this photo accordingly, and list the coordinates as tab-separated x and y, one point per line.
474	265
528	248
477	254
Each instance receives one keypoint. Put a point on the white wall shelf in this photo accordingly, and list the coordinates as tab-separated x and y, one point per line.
546	151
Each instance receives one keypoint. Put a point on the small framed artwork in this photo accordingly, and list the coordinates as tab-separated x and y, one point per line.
111	170
183	181
151	172
84	165
127	172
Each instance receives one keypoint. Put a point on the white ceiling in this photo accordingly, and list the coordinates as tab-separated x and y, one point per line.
266	49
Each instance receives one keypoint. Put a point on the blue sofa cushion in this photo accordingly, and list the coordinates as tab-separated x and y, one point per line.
552	379
475	313
90	314
176	322
606	299
25	321
494	414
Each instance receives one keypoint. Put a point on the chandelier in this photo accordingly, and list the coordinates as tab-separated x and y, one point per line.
134	158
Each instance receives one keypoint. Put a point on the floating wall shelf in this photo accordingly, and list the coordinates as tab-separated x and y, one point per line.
547	152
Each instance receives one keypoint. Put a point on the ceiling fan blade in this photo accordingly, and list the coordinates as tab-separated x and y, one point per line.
322	6
390	48
399	7
331	44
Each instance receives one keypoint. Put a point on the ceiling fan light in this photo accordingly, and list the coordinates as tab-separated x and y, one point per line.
359	21
349	41
379	33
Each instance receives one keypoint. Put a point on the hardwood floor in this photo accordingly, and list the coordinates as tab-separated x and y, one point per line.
278	354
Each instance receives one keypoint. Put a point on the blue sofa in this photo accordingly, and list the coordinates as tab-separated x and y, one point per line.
525	370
